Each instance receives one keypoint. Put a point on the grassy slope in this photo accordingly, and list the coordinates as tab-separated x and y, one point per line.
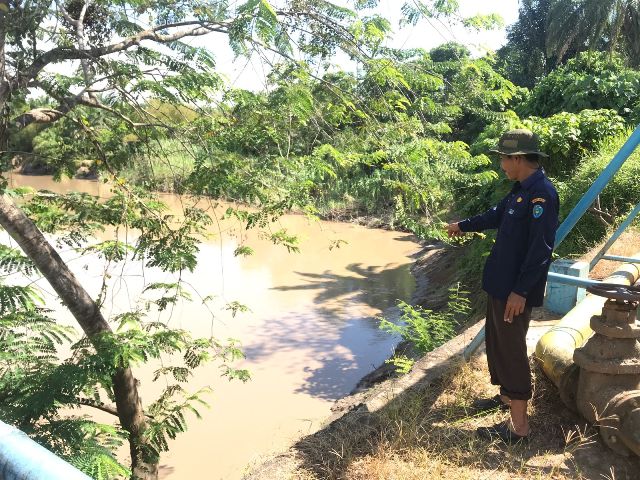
430	435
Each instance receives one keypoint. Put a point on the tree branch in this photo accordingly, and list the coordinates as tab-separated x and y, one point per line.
88	402
39	115
45	115
59	54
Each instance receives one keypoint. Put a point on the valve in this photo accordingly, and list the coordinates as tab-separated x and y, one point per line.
609	383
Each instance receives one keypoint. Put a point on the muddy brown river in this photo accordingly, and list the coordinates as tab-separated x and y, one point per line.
309	336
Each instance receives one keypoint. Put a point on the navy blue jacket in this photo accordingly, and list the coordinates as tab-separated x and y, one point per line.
527	220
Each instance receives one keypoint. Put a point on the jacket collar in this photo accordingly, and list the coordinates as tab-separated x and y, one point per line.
531	180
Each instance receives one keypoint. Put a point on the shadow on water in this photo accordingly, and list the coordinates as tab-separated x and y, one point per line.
338	332
376	286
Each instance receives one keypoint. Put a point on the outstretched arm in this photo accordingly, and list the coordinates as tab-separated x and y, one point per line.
485	221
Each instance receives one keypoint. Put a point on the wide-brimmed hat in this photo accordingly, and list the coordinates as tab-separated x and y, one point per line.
519	142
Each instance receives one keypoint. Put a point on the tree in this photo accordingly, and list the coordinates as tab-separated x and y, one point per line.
116	56
523	58
576	24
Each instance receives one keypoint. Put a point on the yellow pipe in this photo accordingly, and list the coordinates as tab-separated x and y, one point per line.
555	349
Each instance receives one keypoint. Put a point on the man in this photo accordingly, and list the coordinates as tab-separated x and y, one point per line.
514	276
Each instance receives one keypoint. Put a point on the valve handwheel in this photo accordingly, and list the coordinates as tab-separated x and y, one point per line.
616	292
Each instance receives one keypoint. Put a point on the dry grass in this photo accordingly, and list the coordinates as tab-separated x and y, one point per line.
628	244
428	434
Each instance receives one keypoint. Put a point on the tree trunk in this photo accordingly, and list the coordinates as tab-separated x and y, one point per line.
87	313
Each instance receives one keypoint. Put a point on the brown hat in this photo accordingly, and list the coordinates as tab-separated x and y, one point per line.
519	142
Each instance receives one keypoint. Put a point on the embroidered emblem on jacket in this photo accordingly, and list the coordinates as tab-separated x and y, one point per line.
539	200
519	199
537	211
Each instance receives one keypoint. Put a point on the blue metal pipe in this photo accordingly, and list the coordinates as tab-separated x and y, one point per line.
617	258
598	185
623	226
569	280
474	345
23	459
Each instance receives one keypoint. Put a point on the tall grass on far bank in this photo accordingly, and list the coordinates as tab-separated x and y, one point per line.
166	168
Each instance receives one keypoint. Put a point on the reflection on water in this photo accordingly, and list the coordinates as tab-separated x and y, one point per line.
309	336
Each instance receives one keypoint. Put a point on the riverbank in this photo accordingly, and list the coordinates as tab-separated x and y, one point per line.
434	271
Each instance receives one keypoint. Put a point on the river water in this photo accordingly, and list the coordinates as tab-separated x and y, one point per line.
309	336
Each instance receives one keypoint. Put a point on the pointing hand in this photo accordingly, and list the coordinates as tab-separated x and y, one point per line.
453	230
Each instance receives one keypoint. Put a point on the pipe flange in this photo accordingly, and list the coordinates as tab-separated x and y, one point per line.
616	313
600	325
609	352
620	421
568	387
612	366
630	431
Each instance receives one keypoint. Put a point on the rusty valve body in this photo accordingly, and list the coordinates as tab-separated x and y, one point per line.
609	383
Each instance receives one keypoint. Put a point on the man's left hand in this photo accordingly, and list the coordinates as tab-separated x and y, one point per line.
515	306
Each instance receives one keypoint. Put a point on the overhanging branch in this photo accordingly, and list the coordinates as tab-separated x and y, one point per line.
59	54
88	402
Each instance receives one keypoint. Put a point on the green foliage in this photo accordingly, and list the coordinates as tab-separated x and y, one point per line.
616	200
450	51
390	141
566	137
164	166
569	137
12	261
448	11
599	25
592	80
36	385
427	329
110	250
345	148
524	59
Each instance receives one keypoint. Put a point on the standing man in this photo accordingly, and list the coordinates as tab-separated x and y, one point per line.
514	276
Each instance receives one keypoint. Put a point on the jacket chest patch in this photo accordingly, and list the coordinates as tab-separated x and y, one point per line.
537	211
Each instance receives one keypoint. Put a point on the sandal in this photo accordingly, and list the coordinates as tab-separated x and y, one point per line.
501	431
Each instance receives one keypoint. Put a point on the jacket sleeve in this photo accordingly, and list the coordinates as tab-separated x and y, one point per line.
485	221
542	232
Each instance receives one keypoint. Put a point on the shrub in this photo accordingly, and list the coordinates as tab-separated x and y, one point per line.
616	200
566	137
426	329
592	80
